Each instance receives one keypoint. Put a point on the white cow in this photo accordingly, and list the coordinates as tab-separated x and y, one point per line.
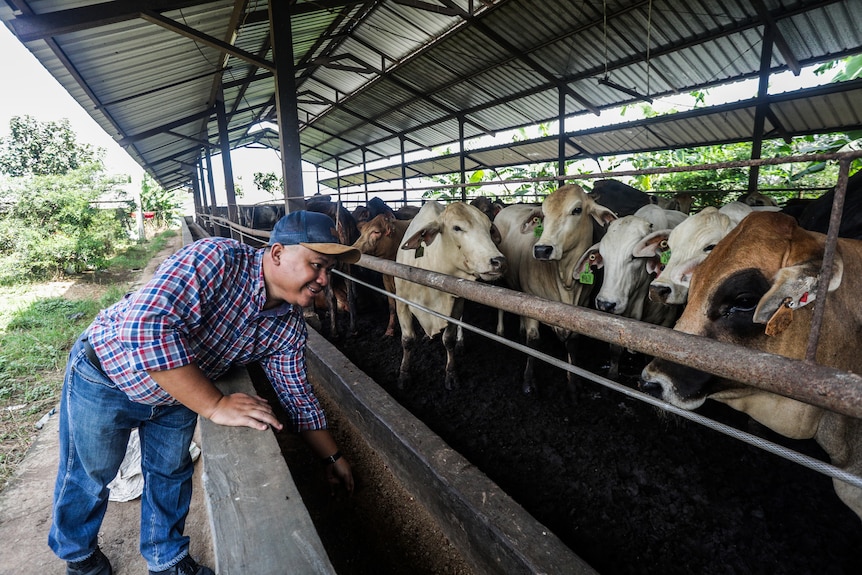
625	287
457	240
542	245
673	254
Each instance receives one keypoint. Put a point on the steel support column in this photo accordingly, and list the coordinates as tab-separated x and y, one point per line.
224	142
281	37
762	106
462	158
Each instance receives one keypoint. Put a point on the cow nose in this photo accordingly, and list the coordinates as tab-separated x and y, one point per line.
542	252
499	263
659	293
604	305
652	388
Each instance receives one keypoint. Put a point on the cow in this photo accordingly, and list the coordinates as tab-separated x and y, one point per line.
753	290
381	237
625	286
339	293
756	199
489	206
457	240
542	244
673	254
815	216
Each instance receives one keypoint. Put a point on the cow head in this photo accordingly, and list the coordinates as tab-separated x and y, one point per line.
464	242
751	291
675	254
567	229
625	275
373	233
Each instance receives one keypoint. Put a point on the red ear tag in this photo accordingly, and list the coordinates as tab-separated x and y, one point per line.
804	299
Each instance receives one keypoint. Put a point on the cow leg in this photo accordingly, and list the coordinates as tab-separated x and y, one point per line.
390	327
351	303
616	352
389	285
408	342
332	308
572	380
451	343
531	330
500	329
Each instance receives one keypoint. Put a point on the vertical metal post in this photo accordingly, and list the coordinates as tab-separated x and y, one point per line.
365	173
203	191
281	37
828	258
403	174
462	157
196	193
561	153
760	110
224	142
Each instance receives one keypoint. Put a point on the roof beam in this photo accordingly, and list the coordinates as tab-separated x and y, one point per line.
164	128
188	32
778	38
31	27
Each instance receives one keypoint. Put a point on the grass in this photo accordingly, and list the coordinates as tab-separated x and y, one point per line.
38	325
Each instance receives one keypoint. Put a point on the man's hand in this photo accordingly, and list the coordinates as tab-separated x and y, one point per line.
189	386
240	409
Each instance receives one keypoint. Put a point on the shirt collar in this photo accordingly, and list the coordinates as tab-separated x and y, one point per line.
259	290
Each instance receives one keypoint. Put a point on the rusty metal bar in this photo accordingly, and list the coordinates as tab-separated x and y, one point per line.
825	387
828	258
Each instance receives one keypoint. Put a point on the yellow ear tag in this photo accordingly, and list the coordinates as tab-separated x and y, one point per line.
587	277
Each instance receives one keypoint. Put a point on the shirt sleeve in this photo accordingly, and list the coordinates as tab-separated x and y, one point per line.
168	308
287	374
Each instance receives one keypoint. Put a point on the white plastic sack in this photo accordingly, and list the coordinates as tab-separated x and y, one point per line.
129	482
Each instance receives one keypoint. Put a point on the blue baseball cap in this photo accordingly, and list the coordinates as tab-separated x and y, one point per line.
315	231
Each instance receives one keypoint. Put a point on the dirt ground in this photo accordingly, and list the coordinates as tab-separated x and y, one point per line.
629	489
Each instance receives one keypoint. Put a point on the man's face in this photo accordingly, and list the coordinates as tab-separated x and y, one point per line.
300	274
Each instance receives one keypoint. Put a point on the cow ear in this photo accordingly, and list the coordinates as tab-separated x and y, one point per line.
602	215
425	236
533	221
591	259
651	245
495	235
792	288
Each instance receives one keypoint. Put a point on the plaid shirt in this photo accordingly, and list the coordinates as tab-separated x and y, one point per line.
204	305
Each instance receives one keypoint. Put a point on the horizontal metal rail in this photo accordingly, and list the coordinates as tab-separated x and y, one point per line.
825	387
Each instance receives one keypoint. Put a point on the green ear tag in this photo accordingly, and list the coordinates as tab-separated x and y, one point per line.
537	231
665	257
586	277
420	251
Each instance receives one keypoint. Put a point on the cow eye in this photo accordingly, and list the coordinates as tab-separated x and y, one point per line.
457	228
709	248
577	211
743	303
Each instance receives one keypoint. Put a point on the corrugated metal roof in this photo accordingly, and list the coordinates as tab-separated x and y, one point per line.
375	75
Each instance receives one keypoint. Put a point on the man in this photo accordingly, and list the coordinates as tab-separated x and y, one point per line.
149	361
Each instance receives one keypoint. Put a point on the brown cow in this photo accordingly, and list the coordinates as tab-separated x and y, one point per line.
753	290
381	236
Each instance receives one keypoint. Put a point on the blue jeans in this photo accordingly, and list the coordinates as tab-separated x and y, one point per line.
96	419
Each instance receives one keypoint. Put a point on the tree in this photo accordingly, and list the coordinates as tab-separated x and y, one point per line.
43	148
49	224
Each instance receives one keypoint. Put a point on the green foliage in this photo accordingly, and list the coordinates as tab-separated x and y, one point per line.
269	182
454	194
43	149
162	203
51	227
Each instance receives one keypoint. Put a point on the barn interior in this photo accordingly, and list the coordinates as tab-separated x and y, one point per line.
346	84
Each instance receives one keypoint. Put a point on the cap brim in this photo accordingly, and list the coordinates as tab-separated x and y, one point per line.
346	254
